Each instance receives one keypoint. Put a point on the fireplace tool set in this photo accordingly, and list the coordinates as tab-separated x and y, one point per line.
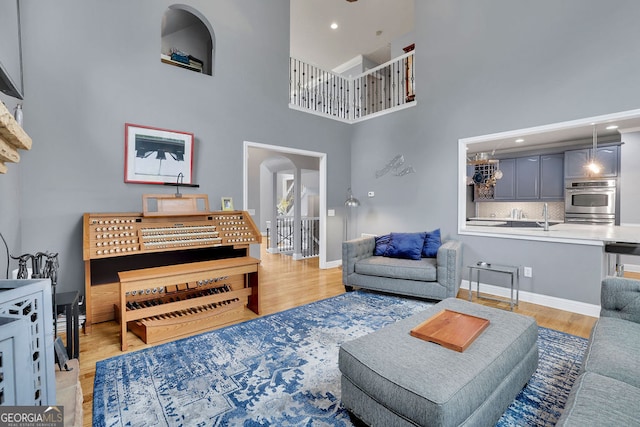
44	265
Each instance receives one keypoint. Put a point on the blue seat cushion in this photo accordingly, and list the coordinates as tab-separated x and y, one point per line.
382	242
432	242
406	245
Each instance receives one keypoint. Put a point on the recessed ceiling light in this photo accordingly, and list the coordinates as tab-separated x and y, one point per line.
611	127
519	140
334	25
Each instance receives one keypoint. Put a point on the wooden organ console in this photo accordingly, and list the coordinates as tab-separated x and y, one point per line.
167	274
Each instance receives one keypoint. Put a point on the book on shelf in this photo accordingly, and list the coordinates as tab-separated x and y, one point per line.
194	67
193	59
180	58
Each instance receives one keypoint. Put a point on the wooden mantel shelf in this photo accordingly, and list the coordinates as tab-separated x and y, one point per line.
12	138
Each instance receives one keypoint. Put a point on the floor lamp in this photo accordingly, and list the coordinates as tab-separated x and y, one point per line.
350	203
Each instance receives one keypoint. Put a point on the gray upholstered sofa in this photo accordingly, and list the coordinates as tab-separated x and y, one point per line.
607	391
433	278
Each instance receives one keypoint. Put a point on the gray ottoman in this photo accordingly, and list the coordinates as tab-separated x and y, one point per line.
390	378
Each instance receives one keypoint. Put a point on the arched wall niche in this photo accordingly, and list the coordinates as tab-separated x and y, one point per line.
187	39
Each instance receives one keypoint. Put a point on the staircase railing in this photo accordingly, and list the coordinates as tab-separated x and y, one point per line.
284	234
309	235
383	89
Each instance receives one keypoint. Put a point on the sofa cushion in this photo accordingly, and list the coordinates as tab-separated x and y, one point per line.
596	400
381	244
423	269
432	242
614	350
405	245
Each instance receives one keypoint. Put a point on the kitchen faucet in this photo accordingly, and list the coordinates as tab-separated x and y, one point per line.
545	215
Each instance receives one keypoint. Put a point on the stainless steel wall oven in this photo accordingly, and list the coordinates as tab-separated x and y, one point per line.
590	201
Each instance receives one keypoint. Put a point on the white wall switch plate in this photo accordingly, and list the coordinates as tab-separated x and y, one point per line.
331	212
371	194
528	272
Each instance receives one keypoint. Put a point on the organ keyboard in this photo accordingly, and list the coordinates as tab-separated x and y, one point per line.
119	246
167	302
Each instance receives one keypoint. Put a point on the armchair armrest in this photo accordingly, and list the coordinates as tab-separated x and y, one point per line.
353	251
620	297
449	266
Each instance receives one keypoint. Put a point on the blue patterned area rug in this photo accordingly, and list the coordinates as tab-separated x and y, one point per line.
282	370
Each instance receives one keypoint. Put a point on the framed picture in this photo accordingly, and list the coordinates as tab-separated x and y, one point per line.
156	156
227	204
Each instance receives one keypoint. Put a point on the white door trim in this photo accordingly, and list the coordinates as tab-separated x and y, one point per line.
322	177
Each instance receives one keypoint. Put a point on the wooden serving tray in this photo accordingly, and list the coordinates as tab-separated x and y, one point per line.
451	329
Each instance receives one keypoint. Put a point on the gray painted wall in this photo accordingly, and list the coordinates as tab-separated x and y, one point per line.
491	66
629	200
10	200
481	67
90	66
629	179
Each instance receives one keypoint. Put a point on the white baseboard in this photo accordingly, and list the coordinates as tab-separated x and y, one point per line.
333	264
544	300
273	250
635	268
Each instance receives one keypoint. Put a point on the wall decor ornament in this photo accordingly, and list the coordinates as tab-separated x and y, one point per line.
157	156
396	167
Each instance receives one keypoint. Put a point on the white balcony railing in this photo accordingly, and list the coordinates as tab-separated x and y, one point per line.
383	89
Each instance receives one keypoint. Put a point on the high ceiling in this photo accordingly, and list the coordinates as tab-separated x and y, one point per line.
365	27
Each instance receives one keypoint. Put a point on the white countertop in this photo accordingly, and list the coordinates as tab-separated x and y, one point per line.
486	222
494	218
564	233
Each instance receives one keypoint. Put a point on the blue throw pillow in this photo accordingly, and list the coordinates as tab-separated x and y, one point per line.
431	244
405	245
381	244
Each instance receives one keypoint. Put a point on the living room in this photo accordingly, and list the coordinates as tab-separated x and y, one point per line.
89	67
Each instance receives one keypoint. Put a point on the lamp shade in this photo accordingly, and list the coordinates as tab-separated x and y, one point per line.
351	201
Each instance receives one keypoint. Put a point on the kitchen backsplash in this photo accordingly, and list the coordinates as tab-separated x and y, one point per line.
531	210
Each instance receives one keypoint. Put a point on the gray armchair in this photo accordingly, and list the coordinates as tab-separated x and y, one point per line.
433	278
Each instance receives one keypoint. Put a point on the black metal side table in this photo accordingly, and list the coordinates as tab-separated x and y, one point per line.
68	301
512	271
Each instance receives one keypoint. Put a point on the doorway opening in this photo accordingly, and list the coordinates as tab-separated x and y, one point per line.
266	168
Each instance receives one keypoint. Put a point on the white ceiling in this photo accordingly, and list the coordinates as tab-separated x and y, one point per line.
313	41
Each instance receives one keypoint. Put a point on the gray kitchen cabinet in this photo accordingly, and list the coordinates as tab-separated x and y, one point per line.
531	178
528	178
608	157
575	161
505	188
552	176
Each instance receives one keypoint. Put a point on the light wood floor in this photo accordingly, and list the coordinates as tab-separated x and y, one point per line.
286	284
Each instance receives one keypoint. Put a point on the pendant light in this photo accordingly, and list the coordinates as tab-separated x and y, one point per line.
593	167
